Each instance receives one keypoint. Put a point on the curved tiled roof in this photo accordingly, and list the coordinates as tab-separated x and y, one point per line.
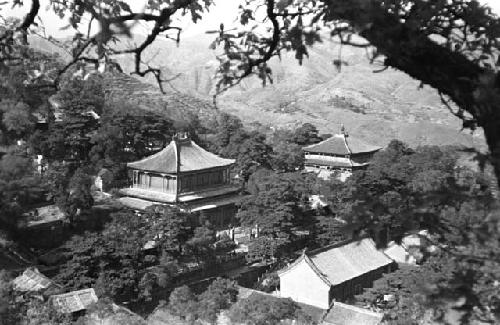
340	144
341	262
348	261
192	158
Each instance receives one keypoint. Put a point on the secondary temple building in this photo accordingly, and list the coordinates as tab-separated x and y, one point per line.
338	156
185	175
334	273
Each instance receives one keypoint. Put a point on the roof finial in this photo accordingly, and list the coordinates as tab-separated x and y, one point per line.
343	130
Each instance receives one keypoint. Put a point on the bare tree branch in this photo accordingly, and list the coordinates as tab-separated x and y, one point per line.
270	52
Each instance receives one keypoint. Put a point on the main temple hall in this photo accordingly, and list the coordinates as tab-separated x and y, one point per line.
185	175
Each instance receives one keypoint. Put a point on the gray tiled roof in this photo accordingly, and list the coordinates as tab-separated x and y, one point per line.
31	280
74	301
341	145
342	263
192	158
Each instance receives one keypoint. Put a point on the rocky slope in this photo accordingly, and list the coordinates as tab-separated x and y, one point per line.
375	106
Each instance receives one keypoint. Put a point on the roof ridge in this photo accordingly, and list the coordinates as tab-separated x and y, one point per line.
337	245
318	143
348	149
153	155
311	264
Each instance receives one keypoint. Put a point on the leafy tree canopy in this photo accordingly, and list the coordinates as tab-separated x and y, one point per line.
276	204
117	263
259	309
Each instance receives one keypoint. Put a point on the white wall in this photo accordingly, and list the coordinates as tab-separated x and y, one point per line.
302	284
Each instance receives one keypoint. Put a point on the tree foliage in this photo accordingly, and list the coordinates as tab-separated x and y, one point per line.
220	295
260	309
117	261
20	188
126	134
450	45
17	117
404	190
276	203
182	302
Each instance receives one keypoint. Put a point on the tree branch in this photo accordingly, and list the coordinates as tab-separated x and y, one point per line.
29	19
273	45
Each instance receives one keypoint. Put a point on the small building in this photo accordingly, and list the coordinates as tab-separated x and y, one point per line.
335	272
338	156
74	301
411	249
185	175
43	226
31	280
343	314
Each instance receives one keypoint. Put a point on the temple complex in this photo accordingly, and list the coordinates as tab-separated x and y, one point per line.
185	175
338	156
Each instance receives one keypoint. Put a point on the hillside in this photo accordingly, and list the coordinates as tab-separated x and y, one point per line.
123	87
375	106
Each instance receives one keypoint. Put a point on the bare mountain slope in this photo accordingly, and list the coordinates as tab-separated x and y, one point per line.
375	106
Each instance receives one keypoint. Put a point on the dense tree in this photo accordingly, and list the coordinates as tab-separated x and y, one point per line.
117	262
201	245
183	303
266	248
306	134
259	309
227	126
17	117
7	315
57	179
276	204
78	96
79	193
398	294
250	151
126	134
20	187
287	154
405	190
73	120
220	295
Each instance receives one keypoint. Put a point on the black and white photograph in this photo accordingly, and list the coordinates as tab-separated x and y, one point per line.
249	162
